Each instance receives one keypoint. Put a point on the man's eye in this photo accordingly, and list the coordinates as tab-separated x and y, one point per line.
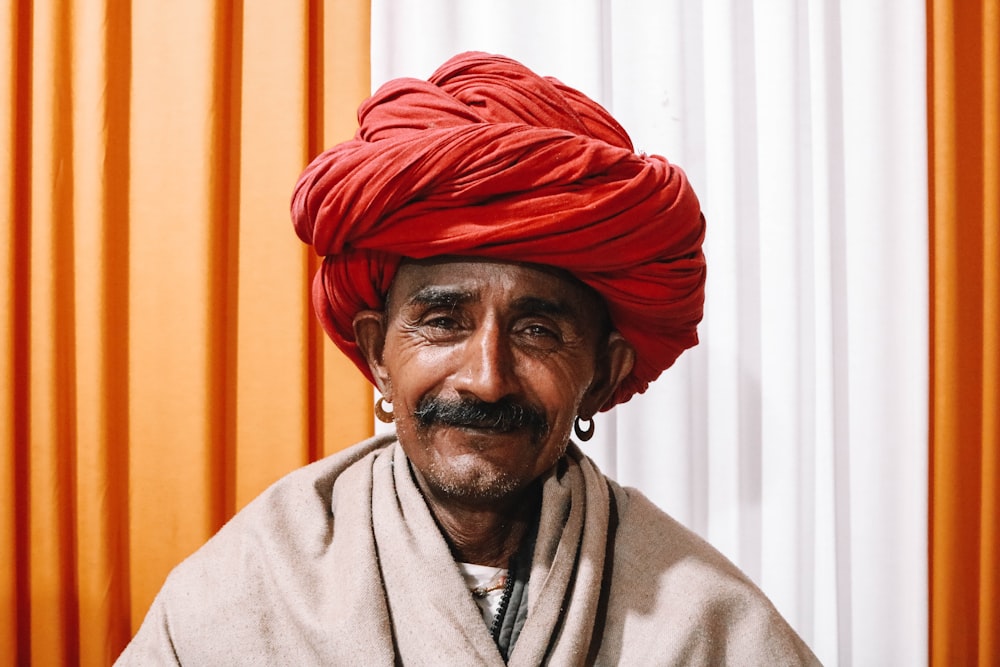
442	323
539	330
540	335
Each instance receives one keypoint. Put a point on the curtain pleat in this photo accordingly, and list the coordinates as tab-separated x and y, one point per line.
964	98
159	358
14	188
989	520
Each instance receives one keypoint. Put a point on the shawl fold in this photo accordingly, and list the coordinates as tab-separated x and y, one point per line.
342	563
489	159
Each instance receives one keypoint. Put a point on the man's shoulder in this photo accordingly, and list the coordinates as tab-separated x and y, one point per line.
275	554
653	543
295	505
313	483
667	576
292	520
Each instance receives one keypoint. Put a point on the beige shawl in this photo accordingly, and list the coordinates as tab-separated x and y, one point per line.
341	563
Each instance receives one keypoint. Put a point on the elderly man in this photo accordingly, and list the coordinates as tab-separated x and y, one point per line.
502	266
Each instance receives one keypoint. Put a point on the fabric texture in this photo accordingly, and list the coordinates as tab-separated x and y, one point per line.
341	563
489	159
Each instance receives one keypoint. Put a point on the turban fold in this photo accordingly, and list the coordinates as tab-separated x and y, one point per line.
488	159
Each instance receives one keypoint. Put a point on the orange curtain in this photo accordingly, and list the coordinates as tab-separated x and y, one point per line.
159	360
964	115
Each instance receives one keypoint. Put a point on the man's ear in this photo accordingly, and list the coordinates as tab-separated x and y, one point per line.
613	365
369	332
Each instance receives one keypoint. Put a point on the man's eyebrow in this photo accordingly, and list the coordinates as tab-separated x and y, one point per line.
434	295
553	307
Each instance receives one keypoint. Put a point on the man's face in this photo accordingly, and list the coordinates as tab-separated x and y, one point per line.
487	364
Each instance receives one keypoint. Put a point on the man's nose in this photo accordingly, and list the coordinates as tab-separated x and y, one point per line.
488	365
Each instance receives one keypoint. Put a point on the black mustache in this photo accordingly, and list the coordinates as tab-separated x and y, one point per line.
503	416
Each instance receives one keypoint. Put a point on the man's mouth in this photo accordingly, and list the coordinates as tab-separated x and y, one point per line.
501	417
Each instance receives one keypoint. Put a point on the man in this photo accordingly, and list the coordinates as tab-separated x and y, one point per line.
502	266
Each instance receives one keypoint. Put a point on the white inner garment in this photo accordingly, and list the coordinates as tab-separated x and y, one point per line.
484	576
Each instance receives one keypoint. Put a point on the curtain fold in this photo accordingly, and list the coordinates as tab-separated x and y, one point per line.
159	358
964	100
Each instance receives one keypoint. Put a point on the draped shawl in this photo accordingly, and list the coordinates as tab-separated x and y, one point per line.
489	159
342	563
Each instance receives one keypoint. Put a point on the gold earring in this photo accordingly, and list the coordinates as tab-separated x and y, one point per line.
584	436
383	415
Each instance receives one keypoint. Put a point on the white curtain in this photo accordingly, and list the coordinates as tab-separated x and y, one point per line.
794	437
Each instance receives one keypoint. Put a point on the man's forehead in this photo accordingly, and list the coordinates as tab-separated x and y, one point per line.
457	279
456	271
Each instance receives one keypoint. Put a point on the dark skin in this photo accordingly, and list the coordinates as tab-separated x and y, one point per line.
530	339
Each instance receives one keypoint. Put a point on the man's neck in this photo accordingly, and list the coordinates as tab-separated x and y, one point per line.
487	533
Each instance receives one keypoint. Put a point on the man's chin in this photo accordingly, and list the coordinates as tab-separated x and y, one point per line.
470	478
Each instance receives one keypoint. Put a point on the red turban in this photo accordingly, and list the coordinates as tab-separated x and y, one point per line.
488	159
